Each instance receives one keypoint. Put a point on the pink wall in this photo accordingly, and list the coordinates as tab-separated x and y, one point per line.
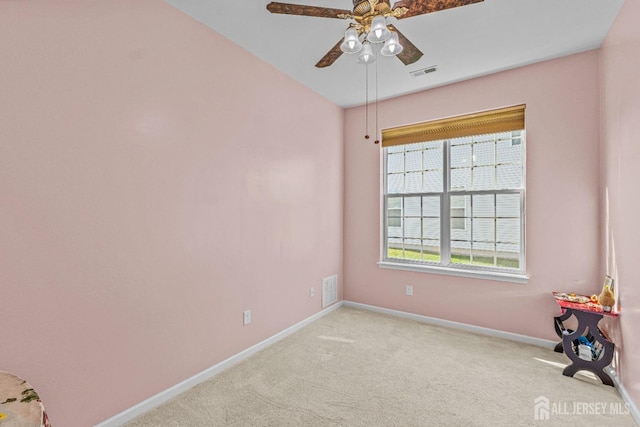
152	188
620	63
562	119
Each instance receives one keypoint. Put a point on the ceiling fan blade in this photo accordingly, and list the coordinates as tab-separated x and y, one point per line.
299	9
410	53
331	56
420	7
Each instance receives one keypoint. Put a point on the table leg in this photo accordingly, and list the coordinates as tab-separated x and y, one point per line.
587	321
561	330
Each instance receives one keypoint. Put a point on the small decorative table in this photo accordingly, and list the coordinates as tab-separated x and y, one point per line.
587	335
20	405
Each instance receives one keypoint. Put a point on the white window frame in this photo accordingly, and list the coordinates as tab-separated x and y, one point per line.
445	266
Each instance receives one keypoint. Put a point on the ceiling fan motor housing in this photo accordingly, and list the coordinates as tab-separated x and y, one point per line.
360	7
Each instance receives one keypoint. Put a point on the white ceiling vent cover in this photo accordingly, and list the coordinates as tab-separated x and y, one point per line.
424	71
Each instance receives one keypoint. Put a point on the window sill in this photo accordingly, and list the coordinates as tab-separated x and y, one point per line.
485	275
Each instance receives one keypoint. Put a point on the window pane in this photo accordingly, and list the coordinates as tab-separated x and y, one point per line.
394	222
483	254
508	153
433	181
412	228
431	206
483	229
412	244
509	176
508	205
433	157
394	212
431	250
484	206
395	163
394	202
394	228
413	161
396	243
508	256
483	154
508	230
459	202
414	182
412	206
460	179
462	232
431	228
484	178
460	222
394	248
460	156
460	252
395	183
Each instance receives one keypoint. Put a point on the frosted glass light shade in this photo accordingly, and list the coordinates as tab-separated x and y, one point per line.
366	55
379	31
351	43
392	46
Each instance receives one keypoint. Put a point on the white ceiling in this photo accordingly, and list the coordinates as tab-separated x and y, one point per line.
463	42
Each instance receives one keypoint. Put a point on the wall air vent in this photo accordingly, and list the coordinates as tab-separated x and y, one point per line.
329	290
424	71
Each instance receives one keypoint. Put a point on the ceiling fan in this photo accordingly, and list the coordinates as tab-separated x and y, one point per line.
363	15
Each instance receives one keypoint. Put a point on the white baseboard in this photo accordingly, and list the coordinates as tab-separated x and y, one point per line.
457	325
160	398
633	408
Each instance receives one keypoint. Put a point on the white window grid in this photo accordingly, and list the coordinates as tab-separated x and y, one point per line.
446	242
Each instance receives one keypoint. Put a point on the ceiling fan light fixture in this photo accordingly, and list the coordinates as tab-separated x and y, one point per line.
366	55
392	46
351	43
379	31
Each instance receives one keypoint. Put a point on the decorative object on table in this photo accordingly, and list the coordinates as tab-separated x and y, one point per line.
571	297
606	298
20	405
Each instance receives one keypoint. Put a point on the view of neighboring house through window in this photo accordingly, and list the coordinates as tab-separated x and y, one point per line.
456	203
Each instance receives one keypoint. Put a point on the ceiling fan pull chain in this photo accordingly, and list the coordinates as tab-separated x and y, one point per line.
366	101
377	141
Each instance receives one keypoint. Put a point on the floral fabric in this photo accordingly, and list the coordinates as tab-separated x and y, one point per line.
20	405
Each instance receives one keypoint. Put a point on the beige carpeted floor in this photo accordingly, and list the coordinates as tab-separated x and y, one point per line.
358	368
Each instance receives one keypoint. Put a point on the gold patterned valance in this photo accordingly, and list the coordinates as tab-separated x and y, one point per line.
492	121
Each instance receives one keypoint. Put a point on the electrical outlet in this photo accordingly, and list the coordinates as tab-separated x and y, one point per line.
409	290
312	292
246	317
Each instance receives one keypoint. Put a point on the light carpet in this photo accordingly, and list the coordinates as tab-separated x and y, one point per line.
358	368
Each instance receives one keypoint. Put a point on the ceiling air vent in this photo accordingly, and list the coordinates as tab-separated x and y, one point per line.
423	71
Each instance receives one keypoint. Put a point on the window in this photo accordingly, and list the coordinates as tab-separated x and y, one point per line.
456	203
